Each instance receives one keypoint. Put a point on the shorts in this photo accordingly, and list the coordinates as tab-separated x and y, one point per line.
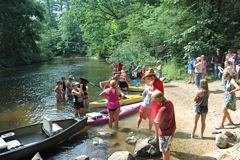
112	109
145	112
78	105
164	143
190	71
202	109
123	84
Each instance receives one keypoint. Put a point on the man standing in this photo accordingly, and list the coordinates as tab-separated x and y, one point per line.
166	122
155	84
218	60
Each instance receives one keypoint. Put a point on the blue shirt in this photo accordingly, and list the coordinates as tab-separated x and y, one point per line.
190	63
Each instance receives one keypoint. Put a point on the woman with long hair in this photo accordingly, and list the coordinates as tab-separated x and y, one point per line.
229	99
201	104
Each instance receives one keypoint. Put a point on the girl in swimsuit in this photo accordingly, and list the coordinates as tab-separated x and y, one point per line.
58	90
113	103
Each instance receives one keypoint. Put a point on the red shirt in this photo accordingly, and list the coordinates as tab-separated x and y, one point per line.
119	66
166	119
157	84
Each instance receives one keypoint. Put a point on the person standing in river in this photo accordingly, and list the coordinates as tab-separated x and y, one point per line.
77	99
63	78
84	86
155	84
58	90
69	85
145	109
165	119
201	99
113	104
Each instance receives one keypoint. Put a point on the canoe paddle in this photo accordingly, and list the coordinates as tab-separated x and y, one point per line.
87	81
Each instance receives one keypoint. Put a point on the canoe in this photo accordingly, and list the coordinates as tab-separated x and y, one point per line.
139	88
128	100
102	116
26	141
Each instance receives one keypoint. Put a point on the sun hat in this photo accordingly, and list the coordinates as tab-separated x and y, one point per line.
199	58
149	72
71	77
158	61
75	83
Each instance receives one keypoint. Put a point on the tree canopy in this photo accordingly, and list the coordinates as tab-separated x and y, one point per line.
126	30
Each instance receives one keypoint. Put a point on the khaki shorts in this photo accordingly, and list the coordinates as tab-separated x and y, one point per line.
190	71
164	143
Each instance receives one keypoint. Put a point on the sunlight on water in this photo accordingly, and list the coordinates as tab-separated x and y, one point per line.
28	95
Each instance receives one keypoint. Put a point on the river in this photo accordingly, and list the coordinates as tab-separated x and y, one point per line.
27	96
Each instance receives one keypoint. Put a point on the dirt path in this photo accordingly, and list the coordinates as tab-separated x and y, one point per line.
182	94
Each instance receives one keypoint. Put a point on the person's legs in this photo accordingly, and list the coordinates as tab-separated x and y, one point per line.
150	125
203	120
196	118
224	115
219	75
139	122
76	112
116	117
215	71
229	117
164	146
166	154
110	115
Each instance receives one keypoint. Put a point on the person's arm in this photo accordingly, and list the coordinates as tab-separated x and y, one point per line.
212	59
160	117
106	91
56	88
237	87
220	69
102	84
121	93
196	97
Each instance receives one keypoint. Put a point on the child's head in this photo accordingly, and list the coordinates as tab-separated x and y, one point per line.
204	84
113	83
203	57
58	82
157	96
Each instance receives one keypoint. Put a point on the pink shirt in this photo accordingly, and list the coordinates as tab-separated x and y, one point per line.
113	99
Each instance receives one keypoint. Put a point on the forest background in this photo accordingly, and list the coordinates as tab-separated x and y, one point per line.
33	31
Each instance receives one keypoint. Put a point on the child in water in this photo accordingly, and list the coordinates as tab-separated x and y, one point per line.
145	109
58	90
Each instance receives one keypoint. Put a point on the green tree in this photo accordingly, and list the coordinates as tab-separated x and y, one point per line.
20	26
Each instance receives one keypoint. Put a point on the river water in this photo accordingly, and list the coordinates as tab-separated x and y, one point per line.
27	96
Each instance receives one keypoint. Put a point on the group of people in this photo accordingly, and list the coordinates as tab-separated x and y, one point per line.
76	91
229	63
155	106
229	74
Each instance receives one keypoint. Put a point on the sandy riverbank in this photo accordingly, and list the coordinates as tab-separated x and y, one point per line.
183	147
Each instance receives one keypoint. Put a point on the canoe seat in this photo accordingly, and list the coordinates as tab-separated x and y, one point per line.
13	144
51	128
8	136
94	115
3	146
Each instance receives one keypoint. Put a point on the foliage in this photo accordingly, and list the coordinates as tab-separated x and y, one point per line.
20	26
